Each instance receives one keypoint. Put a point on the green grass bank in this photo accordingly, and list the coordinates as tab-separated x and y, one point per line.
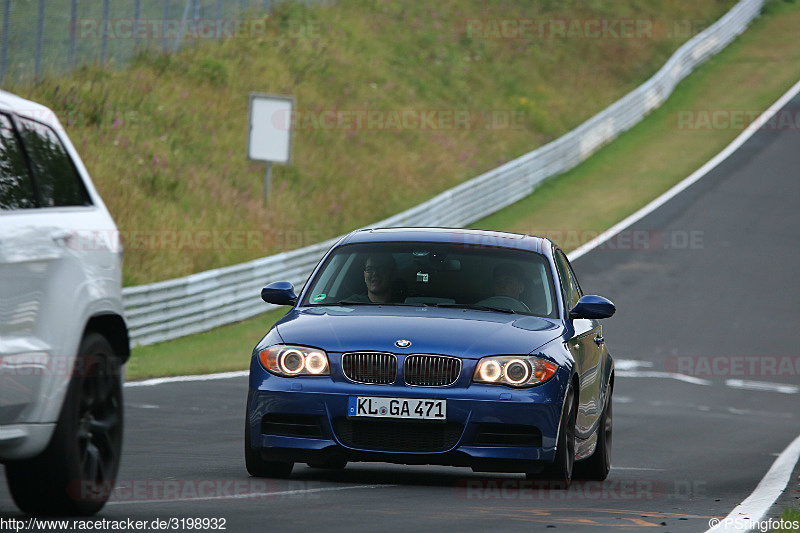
754	71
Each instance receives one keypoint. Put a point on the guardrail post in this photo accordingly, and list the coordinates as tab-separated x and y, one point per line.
73	32
137	14
37	69
4	43
183	25
106	30
164	42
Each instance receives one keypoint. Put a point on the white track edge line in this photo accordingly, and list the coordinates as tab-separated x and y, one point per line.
692	178
758	504
659	374
767	386
594	243
185	379
250	496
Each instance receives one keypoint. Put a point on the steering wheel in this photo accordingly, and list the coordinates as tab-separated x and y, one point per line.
506	302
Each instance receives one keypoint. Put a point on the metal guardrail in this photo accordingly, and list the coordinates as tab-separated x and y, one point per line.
38	37
175	308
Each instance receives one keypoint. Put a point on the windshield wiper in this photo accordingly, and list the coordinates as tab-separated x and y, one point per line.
358	302
350	302
473	306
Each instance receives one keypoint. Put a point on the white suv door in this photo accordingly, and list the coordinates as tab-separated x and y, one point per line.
35	258
62	336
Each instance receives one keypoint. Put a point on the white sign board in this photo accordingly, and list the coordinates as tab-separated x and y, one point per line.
270	133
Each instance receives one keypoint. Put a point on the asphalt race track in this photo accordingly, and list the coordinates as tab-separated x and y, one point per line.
705	285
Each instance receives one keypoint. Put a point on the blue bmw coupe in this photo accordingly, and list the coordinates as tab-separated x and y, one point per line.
435	346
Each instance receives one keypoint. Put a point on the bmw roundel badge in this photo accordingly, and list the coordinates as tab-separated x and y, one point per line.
402	343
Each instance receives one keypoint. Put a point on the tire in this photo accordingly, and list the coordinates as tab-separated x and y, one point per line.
598	465
255	463
74	475
560	471
333	464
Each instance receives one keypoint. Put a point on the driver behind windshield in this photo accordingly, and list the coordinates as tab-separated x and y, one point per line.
508	280
380	277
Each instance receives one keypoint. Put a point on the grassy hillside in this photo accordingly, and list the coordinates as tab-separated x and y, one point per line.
755	70
164	139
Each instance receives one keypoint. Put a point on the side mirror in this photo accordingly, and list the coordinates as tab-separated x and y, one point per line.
592	306
279	293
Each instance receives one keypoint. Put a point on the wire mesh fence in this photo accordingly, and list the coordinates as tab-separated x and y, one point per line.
53	36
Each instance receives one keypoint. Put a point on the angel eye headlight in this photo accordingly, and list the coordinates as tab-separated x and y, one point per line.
292	361
490	371
316	363
514	371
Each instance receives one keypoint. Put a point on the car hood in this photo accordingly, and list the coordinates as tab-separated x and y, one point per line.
464	333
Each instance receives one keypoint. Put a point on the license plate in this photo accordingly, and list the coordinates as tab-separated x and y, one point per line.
414	408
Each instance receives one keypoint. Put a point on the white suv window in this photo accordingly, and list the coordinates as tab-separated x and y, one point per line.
16	186
57	180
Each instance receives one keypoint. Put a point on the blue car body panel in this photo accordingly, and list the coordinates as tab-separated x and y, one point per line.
434	330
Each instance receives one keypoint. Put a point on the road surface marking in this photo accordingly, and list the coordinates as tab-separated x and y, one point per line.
758	504
250	495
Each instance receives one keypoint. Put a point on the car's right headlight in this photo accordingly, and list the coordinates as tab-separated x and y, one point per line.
292	361
514	370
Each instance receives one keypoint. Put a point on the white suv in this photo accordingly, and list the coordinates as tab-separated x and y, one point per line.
63	338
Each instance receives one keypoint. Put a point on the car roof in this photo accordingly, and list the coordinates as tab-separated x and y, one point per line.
474	237
28	109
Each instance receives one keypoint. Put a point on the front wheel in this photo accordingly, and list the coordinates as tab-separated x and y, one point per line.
561	469
255	463
598	465
331	464
75	473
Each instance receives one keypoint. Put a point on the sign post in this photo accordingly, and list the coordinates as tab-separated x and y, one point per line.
270	131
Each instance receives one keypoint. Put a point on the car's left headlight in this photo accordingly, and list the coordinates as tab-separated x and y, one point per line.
291	361
513	370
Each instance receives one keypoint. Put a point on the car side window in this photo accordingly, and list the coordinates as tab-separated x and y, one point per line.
16	186
573	282
569	284
57	179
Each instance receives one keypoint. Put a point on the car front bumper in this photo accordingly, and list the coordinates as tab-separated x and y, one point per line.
488	428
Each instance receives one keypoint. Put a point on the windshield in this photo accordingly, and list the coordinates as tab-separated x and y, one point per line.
433	274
